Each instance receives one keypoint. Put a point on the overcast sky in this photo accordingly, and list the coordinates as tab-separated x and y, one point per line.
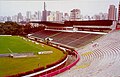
87	7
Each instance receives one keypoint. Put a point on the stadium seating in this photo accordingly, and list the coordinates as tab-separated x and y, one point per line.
43	34
67	37
83	40
73	39
102	60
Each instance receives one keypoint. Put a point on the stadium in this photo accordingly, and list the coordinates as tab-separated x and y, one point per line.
69	49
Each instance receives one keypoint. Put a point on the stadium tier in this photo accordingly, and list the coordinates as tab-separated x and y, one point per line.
73	39
98	59
88	38
44	34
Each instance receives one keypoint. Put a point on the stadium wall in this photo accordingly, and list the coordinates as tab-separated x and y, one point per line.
64	68
42	70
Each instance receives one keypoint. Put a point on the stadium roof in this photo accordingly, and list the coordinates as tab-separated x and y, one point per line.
76	23
90	23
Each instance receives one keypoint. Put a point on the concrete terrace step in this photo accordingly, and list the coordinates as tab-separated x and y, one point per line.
100	61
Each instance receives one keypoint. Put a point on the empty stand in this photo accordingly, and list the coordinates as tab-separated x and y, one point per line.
100	61
44	33
73	39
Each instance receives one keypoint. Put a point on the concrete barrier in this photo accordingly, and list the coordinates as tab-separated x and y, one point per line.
64	68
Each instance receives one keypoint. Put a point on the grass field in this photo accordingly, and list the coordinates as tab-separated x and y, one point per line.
15	44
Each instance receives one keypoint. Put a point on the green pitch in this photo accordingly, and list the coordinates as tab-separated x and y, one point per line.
15	44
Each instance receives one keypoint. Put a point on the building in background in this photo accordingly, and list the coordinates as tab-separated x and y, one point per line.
112	12
55	16
105	16
44	13
19	17
87	17
59	16
5	18
52	16
96	17
66	17
1	19
32	17
14	18
28	15
39	16
75	15
100	16
9	18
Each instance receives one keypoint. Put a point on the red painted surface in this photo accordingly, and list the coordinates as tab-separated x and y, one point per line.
63	69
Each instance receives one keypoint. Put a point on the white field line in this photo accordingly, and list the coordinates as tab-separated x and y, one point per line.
10	50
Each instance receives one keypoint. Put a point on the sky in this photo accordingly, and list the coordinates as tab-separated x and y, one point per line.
87	7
